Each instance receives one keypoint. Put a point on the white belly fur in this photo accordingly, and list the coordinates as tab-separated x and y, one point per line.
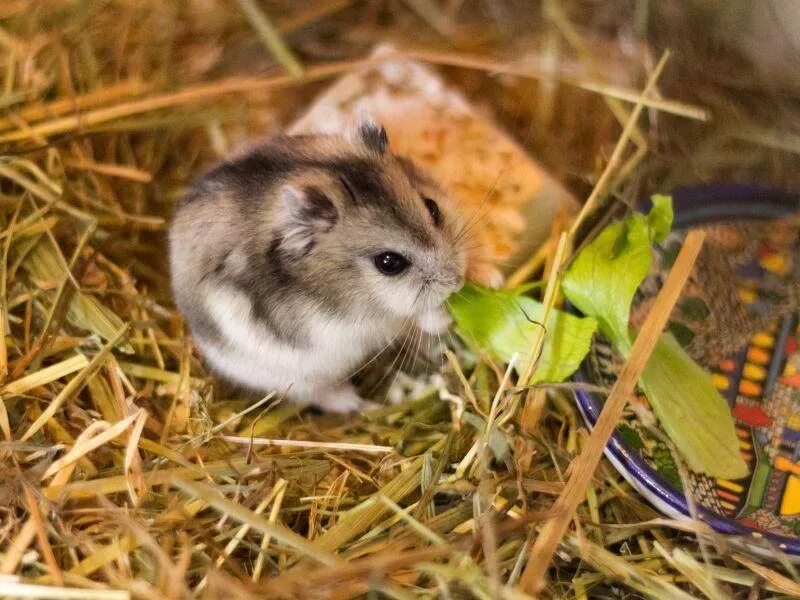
254	357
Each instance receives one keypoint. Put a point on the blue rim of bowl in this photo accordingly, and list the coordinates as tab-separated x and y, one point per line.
694	206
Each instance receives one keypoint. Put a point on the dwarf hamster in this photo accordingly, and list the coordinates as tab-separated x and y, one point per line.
298	260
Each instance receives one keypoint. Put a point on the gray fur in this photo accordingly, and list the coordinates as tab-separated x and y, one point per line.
292	226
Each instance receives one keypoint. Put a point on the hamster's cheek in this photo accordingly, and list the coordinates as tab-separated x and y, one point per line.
399	295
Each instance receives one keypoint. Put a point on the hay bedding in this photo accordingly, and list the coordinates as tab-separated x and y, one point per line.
125	471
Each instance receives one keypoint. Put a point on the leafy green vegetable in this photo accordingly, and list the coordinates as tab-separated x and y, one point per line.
659	219
691	411
604	276
601	283
502	323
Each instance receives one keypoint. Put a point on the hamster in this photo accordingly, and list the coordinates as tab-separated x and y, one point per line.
297	261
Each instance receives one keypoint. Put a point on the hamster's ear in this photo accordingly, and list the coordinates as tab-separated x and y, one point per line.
305	214
371	134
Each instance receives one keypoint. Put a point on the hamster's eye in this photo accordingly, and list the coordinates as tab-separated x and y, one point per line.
433	208
390	263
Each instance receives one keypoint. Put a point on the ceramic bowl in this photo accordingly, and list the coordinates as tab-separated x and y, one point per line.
735	318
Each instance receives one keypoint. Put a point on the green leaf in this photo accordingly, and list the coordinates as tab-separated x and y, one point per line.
605	275
691	411
601	283
659	219
502	323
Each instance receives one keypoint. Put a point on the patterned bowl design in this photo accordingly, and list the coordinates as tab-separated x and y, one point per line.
738	316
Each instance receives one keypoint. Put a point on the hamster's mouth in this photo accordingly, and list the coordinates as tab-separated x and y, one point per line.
437	297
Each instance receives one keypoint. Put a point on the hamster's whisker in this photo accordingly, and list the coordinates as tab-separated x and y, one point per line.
401	330
466	237
478	212
414	356
473	246
441	350
406	339
416	339
404	326
416	342
475	217
401	353
453	339
419	334
468	227
461	295
465	227
479	244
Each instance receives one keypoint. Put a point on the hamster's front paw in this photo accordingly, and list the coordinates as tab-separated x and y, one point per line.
342	400
434	321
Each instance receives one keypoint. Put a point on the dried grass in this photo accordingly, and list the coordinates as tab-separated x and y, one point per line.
125	471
